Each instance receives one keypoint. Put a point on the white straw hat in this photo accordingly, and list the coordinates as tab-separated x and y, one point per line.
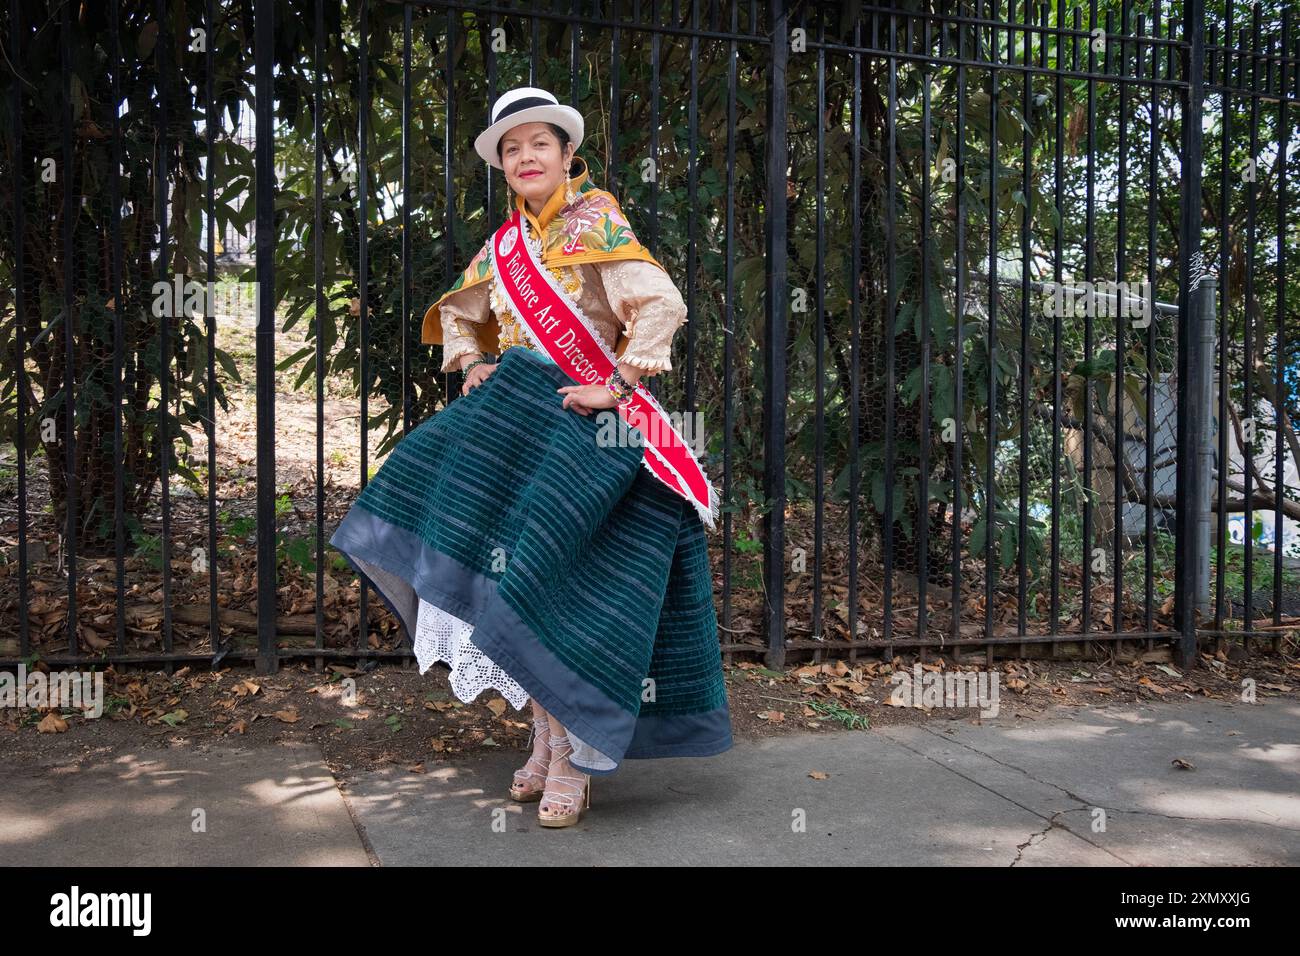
527	104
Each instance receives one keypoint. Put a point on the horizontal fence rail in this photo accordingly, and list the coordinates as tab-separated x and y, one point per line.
989	309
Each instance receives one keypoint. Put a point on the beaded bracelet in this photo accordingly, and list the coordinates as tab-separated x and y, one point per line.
618	376
620	388
477	361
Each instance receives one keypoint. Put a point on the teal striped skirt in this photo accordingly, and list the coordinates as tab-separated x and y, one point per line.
558	559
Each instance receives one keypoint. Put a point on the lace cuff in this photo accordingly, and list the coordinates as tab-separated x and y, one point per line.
459	313
646	300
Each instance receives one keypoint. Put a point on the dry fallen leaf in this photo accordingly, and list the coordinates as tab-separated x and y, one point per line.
52	723
818	775
288	716
851	686
810	670
497	706
1182	764
775	716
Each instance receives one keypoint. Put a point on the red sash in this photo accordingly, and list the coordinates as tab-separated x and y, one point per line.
559	329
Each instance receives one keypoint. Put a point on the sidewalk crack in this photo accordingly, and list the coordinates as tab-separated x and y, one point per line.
1089	804
1039	835
1051	821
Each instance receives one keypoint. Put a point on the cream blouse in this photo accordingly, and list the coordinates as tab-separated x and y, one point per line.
623	294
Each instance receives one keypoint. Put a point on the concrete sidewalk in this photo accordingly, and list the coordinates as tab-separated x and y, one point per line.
273	806
1085	787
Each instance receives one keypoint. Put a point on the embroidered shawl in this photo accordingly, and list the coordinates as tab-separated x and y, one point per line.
590	229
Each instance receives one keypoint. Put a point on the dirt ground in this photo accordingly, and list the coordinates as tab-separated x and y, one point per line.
393	715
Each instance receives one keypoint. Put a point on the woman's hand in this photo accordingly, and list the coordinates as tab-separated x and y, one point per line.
584	399
477	376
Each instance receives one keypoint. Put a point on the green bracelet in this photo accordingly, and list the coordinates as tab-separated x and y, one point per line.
477	361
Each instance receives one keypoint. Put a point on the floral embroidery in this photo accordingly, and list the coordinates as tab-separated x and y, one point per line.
591	224
617	217
478	268
584	213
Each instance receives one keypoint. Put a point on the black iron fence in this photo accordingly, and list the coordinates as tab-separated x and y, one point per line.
963	278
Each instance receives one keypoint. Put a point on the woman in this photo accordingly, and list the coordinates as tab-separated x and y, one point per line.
538	549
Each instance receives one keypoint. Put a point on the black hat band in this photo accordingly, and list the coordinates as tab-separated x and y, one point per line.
523	103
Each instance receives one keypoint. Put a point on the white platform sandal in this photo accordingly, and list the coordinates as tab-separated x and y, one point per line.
536	768
564	792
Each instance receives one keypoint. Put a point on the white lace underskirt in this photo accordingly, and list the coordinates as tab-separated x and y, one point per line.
441	636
